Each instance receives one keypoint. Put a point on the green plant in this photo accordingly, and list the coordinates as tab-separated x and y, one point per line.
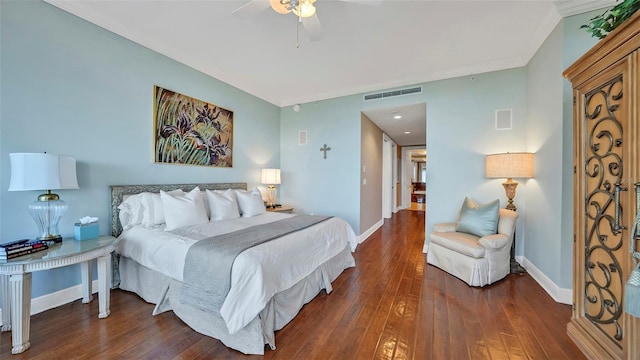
602	25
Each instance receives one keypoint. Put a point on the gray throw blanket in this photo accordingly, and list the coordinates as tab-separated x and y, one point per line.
207	267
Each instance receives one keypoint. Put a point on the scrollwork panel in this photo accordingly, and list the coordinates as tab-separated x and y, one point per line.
604	173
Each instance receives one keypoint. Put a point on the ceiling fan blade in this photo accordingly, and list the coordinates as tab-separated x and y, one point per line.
364	2
312	27
251	8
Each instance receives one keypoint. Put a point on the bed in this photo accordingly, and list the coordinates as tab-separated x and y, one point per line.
267	286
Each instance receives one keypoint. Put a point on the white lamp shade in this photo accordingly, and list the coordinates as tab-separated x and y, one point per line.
40	171
271	176
509	165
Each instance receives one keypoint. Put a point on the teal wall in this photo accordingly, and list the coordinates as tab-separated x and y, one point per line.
70	87
313	184
460	131
549	227
544	138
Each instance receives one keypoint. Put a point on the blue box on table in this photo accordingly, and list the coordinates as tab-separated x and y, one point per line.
86	231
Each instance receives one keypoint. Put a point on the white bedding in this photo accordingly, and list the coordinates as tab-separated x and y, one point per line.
258	273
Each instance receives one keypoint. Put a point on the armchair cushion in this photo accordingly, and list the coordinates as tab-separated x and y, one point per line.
463	243
479	220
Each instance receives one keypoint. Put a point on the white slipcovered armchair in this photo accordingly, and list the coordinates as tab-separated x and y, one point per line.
476	260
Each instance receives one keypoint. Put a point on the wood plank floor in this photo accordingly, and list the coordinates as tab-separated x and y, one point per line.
391	306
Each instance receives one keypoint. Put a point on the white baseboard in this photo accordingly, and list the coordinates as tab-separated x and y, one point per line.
563	296
61	297
370	231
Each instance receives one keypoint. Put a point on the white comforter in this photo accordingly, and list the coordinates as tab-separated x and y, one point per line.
258	273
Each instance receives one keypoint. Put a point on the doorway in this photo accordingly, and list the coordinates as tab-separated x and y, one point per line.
414	159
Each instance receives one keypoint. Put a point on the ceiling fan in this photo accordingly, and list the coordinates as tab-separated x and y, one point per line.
305	10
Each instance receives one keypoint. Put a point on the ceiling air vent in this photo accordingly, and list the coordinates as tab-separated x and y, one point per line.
391	93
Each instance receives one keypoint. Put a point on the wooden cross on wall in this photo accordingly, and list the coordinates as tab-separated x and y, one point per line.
324	149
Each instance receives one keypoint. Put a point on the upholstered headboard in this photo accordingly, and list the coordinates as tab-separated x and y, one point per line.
118	193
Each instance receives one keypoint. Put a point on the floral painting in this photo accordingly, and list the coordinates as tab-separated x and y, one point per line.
191	131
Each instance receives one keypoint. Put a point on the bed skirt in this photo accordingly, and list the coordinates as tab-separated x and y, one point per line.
163	291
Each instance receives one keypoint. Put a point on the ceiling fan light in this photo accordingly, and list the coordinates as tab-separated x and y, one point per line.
305	9
280	6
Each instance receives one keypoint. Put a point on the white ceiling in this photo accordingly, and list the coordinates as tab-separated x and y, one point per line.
365	48
413	121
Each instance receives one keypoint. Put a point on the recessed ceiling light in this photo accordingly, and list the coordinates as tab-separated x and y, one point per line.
397	117
407	132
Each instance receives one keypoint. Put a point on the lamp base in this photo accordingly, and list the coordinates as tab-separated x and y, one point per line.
271	196
47	212
516	268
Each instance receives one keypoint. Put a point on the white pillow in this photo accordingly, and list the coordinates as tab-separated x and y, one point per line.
183	209
152	205
131	211
250	203
222	205
153	208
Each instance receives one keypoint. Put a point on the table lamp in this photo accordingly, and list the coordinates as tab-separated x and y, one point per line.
271	177
510	165
42	171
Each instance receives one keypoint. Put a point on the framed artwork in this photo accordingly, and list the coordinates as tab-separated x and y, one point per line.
190	131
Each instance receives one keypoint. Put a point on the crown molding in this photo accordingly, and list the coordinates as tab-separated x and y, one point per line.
573	7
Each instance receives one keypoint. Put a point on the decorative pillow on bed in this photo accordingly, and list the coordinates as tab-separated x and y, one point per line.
250	203
222	205
478	220
183	209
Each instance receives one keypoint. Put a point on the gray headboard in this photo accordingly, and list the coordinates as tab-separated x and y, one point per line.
119	191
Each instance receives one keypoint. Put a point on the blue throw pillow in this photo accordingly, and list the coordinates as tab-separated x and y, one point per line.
478	220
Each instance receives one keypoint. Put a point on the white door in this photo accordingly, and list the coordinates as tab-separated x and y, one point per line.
387	177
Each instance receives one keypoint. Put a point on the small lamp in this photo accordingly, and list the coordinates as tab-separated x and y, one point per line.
42	171
510	165
271	177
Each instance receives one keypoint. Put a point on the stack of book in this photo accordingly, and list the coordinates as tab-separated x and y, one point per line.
17	248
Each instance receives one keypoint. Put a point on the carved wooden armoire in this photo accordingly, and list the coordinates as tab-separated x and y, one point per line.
606	96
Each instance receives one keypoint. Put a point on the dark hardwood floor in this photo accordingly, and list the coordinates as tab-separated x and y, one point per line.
391	306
